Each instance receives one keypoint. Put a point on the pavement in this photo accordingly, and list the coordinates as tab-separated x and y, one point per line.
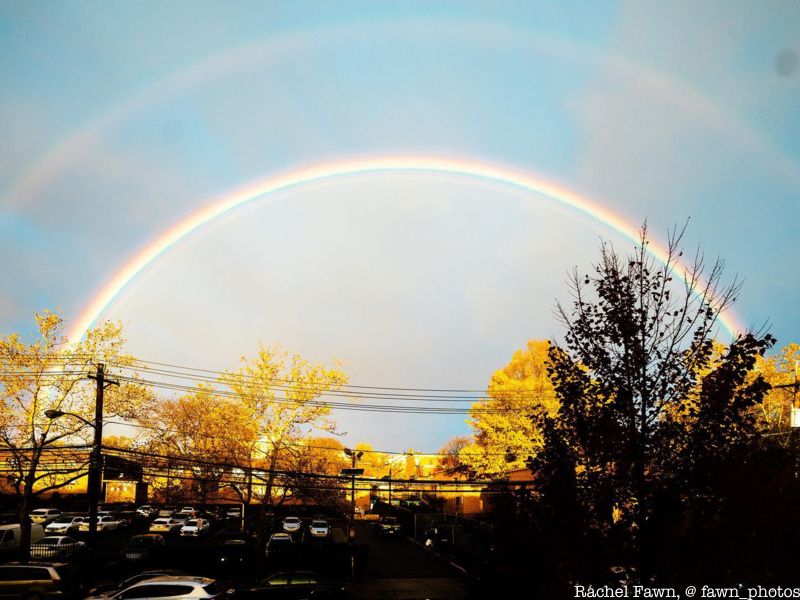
409	589
397	568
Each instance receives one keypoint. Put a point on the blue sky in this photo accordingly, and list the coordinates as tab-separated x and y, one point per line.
119	119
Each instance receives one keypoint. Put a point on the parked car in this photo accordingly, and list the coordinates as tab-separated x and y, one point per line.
188	509
290	584
143	547
279	544
44	515
168	586
108	590
146	511
319	528
166	525
195	528
233	512
183	516
235	553
387	526
104	523
65	525
43	580
292	524
10	535
60	547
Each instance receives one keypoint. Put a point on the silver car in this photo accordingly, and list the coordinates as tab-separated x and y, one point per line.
57	546
169	586
64	525
319	528
45	515
292	524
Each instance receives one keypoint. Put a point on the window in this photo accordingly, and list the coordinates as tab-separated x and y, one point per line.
38	574
13	573
156	591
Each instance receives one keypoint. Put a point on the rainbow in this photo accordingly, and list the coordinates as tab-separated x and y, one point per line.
469	168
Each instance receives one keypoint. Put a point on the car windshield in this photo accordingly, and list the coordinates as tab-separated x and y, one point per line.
63	521
319	524
160	521
291	519
139	541
40	511
280	541
191	523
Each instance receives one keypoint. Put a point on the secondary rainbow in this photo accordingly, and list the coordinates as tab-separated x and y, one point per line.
336	169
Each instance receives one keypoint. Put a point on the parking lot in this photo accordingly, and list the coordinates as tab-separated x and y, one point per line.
366	565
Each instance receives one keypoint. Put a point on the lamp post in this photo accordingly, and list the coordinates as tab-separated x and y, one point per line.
95	475
352	472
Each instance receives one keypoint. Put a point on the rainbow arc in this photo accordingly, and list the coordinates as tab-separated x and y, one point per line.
262	190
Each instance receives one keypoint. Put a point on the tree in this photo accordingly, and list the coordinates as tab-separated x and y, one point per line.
282	393
636	414
506	425
451	450
316	456
773	414
211	433
39	454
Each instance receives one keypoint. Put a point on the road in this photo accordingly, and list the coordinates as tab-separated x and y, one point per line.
399	568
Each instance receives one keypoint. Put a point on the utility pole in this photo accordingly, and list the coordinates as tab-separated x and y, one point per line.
96	459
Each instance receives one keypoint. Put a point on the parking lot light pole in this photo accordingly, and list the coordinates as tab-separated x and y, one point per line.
355	456
95	474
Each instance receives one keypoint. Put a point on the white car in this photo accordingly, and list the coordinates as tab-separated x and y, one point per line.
64	525
292	524
319	528
165	525
56	546
188	509
104	523
195	527
171	586
45	515
146	511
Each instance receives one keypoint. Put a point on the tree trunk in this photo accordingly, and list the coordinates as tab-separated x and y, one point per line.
267	499
23	508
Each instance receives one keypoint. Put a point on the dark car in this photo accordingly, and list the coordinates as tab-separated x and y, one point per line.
388	526
234	554
289	585
280	546
143	547
39	580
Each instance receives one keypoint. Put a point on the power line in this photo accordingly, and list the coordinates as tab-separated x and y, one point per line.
177	460
387	408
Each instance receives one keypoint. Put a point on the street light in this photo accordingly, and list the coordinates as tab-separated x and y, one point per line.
95	474
355	456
